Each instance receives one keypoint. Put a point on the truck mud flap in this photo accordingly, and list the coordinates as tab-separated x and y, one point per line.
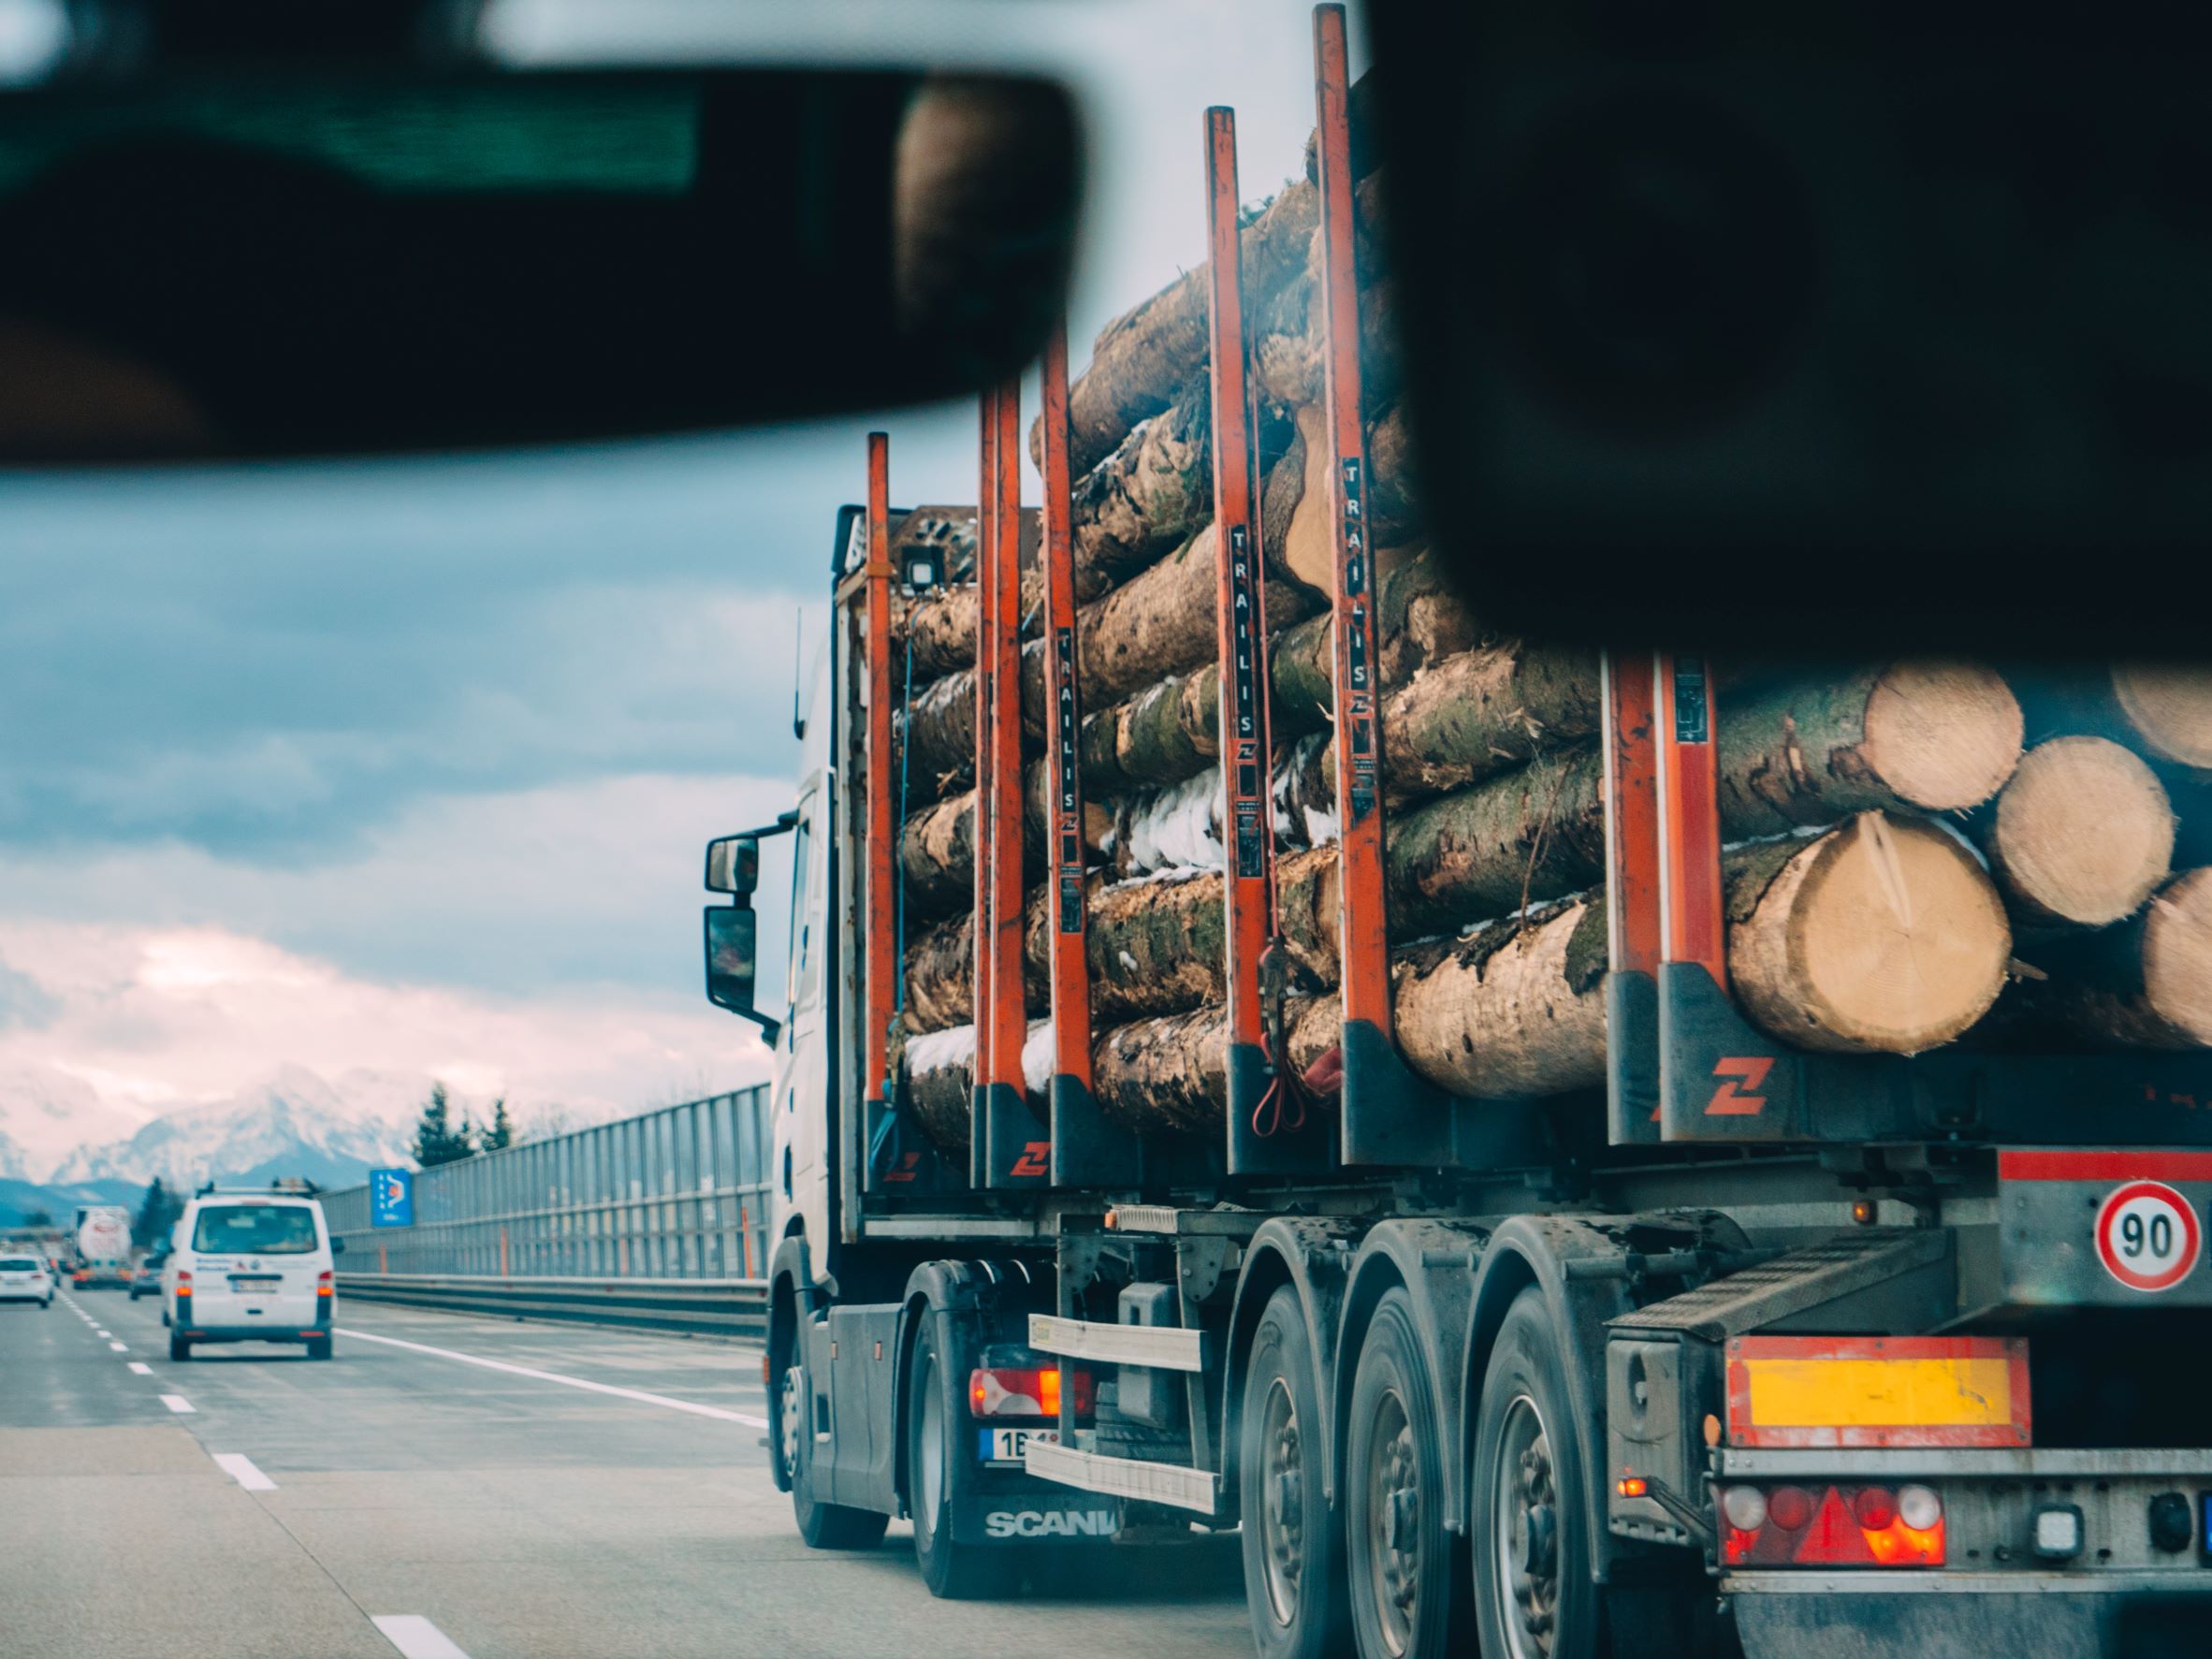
1964	1616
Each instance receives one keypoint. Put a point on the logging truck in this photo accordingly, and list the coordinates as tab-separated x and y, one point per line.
1560	1153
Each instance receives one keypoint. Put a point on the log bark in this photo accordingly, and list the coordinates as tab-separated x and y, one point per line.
1166	1075
1143	359
1475	714
1419	619
937	844
2079	836
939	1069
1516	1010
1930	736
1882	935
2147	984
1147	497
941	628
1489	851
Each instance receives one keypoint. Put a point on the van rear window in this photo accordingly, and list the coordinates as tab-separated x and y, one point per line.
268	1230
19	1264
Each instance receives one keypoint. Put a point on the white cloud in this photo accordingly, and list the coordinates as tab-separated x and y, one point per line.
149	1020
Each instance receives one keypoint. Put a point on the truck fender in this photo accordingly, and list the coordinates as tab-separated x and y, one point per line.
1527	1250
974	1302
1436	1262
791	1295
1313	1256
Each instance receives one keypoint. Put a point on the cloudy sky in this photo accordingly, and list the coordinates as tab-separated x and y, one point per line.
407	766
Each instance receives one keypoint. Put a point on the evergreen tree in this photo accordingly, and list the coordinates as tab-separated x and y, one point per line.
157	1213
436	1140
36	1217
502	1132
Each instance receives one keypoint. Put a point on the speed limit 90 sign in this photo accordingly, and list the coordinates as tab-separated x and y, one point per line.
2148	1236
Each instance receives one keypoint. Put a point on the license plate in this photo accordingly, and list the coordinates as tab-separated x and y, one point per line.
251	1287
1004	1446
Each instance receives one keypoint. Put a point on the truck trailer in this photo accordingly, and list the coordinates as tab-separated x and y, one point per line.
1759	1346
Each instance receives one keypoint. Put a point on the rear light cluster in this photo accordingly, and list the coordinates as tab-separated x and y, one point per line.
183	1281
1832	1527
1025	1391
325	1285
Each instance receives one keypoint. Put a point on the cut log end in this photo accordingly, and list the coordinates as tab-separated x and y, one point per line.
1942	735
1884	936
2082	834
2170	709
2177	956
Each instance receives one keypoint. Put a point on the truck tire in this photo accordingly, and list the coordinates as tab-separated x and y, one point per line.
822	1526
1407	1591
179	1349
953	1570
1293	1539
319	1347
1533	1598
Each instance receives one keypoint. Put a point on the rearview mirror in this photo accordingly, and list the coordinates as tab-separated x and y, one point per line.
734	864
732	965
366	257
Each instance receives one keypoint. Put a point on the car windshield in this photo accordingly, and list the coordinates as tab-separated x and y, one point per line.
272	1229
18	1264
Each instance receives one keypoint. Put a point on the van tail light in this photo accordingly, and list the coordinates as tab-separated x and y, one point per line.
183	1281
1026	1391
325	1285
1871	1526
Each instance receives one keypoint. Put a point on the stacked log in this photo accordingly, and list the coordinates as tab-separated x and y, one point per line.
1901	836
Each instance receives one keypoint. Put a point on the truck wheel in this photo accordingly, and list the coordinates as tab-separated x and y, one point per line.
822	1526
955	1570
1406	1591
1293	1539
319	1347
180	1350
1533	1598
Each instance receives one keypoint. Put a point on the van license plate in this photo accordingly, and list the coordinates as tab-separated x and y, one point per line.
1004	1446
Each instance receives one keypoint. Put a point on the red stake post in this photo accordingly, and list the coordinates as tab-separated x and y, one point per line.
1636	941
1070	967
1258	1107
882	963
986	523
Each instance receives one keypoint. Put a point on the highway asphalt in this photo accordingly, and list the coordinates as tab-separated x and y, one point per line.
454	1485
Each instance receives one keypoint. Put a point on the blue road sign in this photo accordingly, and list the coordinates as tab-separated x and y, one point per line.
391	1198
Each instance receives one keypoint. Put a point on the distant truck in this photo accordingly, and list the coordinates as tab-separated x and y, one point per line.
103	1240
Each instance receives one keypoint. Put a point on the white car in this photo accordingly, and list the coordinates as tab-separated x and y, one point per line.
24	1278
250	1266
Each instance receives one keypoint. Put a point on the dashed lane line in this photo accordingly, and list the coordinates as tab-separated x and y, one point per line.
118	1347
178	1403
415	1637
140	1368
240	1467
694	1407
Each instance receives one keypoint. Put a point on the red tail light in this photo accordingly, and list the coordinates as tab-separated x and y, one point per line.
1854	1526
183	1281
325	1285
1030	1390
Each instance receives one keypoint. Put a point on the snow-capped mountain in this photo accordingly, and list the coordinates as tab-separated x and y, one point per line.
294	1123
45	1112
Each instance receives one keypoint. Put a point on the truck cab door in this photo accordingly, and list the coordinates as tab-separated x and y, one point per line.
800	1101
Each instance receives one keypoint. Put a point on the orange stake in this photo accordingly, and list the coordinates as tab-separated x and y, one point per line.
1689	815
987	525
1631	814
1071	965
1362	930
1009	1019
882	936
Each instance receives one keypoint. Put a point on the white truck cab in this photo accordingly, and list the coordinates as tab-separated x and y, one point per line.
251	1265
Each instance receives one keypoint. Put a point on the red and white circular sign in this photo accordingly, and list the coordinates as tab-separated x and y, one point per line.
2148	1236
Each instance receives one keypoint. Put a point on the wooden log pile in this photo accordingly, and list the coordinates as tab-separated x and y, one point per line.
1907	842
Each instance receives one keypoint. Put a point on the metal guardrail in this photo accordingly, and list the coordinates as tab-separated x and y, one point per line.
719	1307
681	1193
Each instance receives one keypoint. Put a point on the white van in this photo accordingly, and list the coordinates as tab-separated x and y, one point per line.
250	1266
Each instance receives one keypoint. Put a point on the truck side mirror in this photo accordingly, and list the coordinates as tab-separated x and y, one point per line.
731	931
734	865
337	1246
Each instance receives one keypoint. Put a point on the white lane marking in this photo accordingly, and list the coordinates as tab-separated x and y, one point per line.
140	1368
118	1347
107	1334
178	1403
416	1637
240	1467
694	1407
